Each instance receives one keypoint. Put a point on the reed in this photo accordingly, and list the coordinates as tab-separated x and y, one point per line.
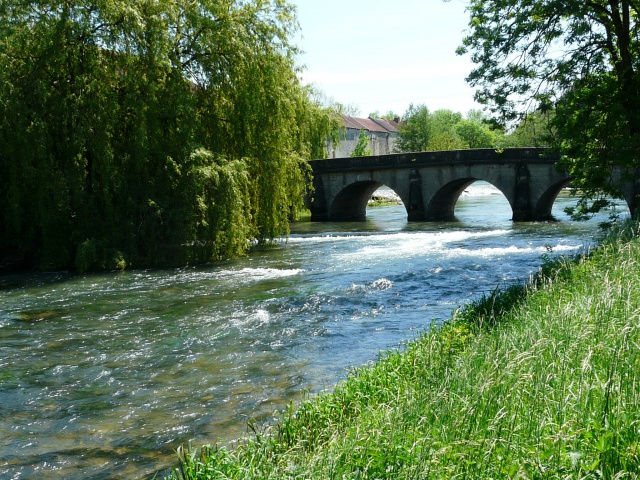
537	381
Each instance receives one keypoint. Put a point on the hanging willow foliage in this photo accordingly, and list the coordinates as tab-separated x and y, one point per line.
219	190
149	133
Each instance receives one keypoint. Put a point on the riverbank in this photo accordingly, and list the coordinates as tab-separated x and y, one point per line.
536	381
384	197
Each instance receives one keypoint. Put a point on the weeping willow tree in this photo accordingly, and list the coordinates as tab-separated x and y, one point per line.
148	132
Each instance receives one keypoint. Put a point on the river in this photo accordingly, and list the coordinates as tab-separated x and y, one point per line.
104	376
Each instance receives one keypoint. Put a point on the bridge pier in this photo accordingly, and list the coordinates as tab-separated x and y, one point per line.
415	207
317	203
441	205
522	210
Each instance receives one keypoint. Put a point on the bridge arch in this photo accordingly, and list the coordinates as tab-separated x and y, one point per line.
442	205
430	183
542	209
350	204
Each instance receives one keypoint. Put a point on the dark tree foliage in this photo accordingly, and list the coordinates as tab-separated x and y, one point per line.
576	58
149	133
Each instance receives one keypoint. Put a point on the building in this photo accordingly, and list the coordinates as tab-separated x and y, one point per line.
382	135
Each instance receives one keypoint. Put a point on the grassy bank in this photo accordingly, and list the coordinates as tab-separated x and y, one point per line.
539	381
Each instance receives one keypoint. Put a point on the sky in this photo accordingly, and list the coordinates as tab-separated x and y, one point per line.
383	55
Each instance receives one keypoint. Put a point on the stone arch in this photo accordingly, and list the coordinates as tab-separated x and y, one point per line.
542	208
443	203
350	204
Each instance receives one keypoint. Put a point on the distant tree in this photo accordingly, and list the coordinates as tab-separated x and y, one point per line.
346	109
534	130
415	131
447	140
362	147
444	121
492	135
476	115
444	129
390	115
443	132
475	134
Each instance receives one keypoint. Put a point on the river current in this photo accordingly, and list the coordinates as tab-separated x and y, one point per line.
104	376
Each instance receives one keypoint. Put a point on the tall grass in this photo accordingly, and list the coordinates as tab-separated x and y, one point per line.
539	381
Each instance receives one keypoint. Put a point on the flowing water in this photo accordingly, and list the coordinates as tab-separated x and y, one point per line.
104	376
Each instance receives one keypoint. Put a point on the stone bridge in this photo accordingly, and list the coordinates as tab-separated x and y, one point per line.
429	183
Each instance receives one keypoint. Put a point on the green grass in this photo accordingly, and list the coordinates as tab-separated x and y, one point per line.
381	203
539	381
304	215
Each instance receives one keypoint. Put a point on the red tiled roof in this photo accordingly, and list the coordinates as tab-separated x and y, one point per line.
351	122
389	125
370	124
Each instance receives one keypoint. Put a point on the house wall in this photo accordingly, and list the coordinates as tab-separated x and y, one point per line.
380	143
346	146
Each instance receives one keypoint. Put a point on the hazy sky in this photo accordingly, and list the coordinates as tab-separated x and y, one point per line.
382	55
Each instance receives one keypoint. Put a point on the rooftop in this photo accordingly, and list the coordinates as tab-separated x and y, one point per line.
371	124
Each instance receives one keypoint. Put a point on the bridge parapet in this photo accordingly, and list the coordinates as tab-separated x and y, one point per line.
448	157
